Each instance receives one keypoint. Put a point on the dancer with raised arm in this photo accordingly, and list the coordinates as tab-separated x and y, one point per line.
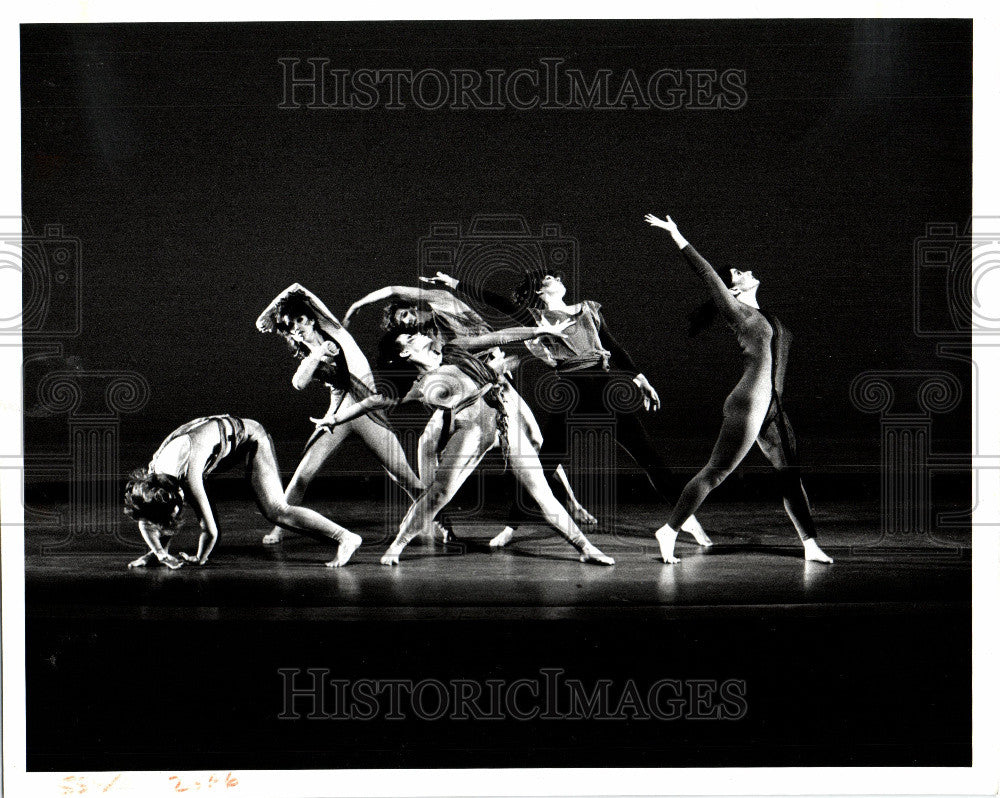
584	359
480	413
443	316
753	411
329	355
155	495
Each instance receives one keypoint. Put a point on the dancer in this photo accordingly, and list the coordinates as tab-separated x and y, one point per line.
480	413
753	411
330	355
155	495
444	317
436	312
583	359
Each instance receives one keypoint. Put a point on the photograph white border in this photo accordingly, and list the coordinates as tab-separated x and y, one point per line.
981	779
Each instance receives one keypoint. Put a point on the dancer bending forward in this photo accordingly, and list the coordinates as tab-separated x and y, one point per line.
329	355
752	412
480	412
155	495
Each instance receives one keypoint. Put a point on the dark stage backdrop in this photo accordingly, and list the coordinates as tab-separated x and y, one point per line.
196	198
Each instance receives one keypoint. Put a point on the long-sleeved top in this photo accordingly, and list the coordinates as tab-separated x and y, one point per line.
763	339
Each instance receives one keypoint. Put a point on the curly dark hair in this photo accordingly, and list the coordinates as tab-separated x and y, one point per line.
291	307
525	295
153	497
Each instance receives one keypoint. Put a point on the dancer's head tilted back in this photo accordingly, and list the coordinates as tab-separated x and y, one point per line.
420	349
743	286
155	498
539	287
743	283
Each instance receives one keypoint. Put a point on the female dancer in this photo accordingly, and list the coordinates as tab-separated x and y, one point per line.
155	495
330	355
480	412
444	317
583	358
436	312
753	411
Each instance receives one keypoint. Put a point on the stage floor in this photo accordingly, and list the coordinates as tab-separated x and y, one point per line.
756	562
865	662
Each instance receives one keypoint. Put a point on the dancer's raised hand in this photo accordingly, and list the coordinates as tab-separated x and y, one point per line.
441	279
667	224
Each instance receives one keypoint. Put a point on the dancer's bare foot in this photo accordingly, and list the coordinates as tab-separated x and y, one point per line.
814	553
143	561
580	514
501	540
273	537
348	545
693	526
391	556
171	562
666	537
443	533
592	554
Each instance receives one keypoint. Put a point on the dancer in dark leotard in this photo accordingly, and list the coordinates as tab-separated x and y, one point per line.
155	495
752	412
329	355
583	358
480	412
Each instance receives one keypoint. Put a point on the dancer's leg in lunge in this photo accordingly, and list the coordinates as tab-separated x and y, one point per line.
386	447
263	474
529	473
631	435
459	459
321	448
739	431
777	441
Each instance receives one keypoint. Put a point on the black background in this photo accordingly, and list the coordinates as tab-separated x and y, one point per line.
196	199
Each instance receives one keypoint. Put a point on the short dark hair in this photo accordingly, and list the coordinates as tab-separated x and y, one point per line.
153	497
526	293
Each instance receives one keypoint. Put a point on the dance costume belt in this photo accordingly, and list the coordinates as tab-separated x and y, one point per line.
600	359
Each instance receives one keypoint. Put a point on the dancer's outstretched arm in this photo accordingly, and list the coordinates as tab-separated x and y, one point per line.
496	301
437	298
728	305
480	343
369	404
